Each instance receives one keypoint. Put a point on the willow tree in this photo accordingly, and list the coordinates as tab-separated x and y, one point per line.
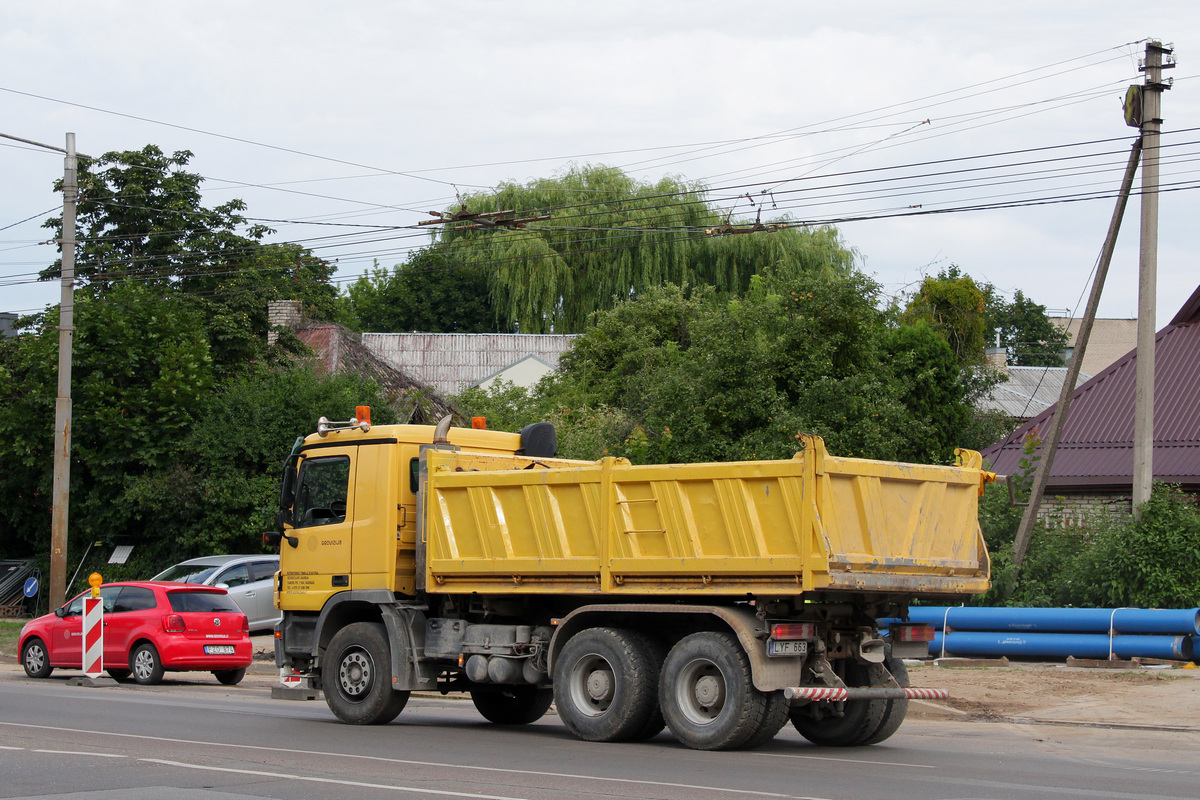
602	236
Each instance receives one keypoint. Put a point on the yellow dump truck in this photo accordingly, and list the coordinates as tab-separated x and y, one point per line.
716	600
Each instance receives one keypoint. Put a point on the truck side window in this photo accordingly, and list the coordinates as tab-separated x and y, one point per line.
414	475
321	491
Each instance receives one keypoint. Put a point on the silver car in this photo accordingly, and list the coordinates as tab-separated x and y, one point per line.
246	578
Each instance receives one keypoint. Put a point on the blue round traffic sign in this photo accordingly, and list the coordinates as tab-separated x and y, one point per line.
31	587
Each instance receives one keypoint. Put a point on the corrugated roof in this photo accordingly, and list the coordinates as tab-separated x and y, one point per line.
451	362
1028	391
339	349
1097	441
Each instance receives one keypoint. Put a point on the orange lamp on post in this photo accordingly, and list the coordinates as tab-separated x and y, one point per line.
94	580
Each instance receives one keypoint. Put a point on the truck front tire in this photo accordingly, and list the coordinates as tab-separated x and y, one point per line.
512	705
356	674
708	695
606	685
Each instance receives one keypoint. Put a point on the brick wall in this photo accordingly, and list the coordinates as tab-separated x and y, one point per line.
281	314
1072	510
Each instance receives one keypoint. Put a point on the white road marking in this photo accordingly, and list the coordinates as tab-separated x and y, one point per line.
862	761
335	781
2	747
410	762
81	753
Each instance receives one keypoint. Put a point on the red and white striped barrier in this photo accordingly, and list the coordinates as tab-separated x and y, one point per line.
834	694
93	636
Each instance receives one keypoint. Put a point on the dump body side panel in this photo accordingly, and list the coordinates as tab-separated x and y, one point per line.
761	527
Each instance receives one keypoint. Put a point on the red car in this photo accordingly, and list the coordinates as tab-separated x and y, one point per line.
149	627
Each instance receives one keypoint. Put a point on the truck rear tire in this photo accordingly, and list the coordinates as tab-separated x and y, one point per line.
708	696
845	723
894	710
512	705
356	674
606	685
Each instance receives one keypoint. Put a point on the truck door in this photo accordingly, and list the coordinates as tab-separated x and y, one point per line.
322	515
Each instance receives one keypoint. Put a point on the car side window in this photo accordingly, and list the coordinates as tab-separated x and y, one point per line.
322	491
108	594
263	570
134	598
76	607
234	576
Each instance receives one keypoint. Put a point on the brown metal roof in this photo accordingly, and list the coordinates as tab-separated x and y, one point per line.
1097	441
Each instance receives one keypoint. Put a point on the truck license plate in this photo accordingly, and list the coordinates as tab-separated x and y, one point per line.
218	649
778	647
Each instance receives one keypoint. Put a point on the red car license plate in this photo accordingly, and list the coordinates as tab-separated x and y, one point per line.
218	649
784	647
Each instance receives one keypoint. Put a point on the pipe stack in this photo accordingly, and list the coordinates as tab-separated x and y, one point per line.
1017	632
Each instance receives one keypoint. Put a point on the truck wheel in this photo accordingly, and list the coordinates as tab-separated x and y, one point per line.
512	705
356	675
708	696
775	717
35	659
606	685
845	723
656	652
894	710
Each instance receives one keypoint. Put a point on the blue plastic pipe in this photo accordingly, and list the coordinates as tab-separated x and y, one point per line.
1061	645
1061	620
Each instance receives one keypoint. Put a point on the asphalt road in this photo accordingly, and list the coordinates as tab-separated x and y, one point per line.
193	739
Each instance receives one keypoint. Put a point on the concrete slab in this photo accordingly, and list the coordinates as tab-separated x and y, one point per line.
84	680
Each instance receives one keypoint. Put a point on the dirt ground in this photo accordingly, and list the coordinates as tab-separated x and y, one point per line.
1165	697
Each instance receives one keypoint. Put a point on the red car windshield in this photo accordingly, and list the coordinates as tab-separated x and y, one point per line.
203	602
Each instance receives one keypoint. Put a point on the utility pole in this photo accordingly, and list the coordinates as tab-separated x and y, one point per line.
62	404
60	495
1143	399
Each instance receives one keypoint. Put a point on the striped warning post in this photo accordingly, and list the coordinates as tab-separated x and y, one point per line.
93	636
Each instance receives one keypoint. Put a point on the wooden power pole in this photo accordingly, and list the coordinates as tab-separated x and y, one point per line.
1143	398
62	405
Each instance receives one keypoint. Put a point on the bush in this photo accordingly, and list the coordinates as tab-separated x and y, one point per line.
1110	560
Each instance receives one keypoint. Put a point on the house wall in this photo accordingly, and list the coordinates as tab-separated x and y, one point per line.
1110	339
525	373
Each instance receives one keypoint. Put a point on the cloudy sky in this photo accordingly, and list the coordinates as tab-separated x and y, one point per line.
892	119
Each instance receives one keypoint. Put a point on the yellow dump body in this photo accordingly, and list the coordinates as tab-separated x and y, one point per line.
812	523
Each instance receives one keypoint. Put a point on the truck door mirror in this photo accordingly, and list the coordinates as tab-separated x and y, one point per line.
287	489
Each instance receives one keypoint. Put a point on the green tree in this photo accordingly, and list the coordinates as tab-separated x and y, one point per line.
140	216
1024	329
609	237
683	375
430	292
141	368
953	306
220	492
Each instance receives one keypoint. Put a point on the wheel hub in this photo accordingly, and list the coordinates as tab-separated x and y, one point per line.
701	691
600	685
709	692
355	674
